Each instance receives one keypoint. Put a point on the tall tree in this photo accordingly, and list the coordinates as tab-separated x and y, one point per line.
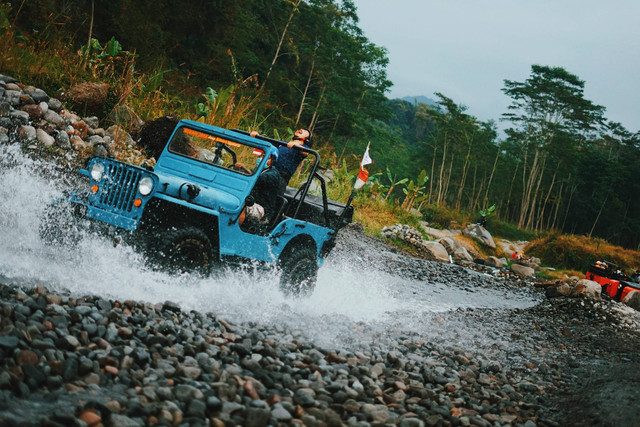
550	101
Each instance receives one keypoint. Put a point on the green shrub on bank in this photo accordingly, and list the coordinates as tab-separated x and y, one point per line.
578	252
443	217
504	230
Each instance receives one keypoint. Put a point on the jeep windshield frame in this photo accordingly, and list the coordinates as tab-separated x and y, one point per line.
301	193
219	151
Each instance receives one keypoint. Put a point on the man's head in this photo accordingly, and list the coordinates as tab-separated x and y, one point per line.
304	135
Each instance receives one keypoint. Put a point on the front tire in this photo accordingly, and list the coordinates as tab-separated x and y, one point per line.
299	267
184	250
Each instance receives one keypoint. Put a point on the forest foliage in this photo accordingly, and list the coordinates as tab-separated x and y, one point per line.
274	65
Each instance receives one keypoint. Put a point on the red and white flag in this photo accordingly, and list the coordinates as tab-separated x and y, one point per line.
363	175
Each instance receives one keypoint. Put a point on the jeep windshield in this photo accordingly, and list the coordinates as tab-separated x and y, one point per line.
216	150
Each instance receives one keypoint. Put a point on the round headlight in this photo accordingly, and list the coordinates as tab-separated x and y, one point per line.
145	186
97	170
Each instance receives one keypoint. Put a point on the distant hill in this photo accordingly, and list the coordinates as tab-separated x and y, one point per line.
419	100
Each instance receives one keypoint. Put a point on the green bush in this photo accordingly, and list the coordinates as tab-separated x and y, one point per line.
508	231
442	217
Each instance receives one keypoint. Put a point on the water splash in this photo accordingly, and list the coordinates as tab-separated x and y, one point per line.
353	301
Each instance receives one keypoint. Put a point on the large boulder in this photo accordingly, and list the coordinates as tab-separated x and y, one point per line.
494	262
449	244
633	300
588	289
523	270
479	233
435	251
462	256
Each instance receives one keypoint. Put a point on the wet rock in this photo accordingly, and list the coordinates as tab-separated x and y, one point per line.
44	138
522	270
55	119
8	342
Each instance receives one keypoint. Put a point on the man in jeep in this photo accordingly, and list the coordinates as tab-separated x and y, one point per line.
265	194
289	157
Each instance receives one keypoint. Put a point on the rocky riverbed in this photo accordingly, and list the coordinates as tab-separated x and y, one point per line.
70	359
83	343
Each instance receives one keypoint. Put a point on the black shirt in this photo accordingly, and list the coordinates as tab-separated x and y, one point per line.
268	187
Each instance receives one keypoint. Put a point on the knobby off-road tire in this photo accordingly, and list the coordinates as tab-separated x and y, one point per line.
299	267
181	250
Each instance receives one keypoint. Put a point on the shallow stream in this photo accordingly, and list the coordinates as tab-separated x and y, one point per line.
355	300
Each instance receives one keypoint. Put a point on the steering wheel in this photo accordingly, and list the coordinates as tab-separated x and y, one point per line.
240	168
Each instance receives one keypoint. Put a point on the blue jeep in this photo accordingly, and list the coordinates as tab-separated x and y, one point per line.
184	212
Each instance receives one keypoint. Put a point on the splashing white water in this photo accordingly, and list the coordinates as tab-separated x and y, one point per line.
351	300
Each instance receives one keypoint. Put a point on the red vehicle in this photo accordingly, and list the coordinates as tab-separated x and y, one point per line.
615	283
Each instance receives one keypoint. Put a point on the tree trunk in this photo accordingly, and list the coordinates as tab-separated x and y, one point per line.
333	129
349	138
533	208
473	194
465	170
598	216
447	182
314	118
284	33
513	180
441	175
528	183
86	55
306	88
539	222
551	223
493	170
433	168
566	213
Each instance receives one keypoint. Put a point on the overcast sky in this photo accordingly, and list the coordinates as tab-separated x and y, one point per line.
467	48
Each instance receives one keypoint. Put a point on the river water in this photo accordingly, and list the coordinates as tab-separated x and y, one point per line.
354	301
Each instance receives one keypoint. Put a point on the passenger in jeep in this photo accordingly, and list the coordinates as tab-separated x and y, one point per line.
289	158
265	194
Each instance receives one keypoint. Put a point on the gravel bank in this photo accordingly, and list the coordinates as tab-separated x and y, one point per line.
75	360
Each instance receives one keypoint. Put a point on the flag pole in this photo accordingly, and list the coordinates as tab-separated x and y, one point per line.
363	176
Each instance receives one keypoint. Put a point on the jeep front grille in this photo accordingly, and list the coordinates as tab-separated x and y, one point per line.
118	189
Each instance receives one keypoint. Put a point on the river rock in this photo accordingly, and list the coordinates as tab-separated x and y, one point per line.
44	138
633	300
449	244
479	233
462	255
436	251
493	262
523	270
588	289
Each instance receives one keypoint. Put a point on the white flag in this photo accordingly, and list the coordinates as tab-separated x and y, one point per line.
366	160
